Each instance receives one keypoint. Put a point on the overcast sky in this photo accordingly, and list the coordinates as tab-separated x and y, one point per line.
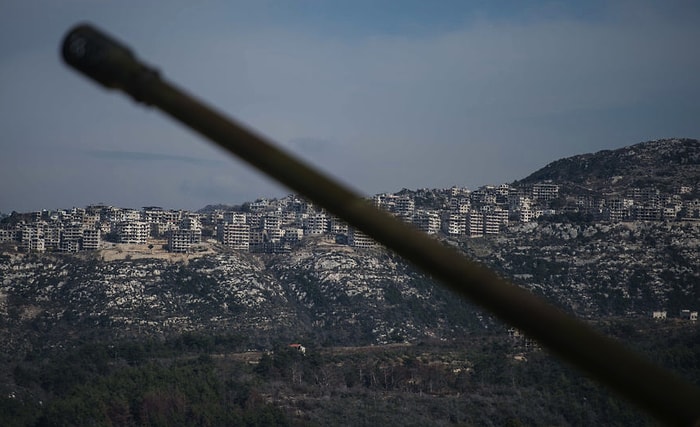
383	95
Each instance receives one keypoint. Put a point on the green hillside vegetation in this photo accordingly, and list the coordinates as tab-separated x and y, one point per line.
193	379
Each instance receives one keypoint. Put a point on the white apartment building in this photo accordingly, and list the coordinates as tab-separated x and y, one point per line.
72	231
405	206
191	222
358	239
316	224
545	191
133	232
456	192
661	315
293	234
385	201
235	235
526	214
427	221
153	214
460	205
32	239
259	205
71	235
338	226
132	215
475	224
179	241
492	223
91	240
503	190
8	235
90	220
235	217
271	225
52	235
670	211
454	224
171	217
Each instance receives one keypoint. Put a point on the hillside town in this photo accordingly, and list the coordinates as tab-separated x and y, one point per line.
276	225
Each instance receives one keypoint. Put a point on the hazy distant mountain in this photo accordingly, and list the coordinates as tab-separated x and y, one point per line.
663	163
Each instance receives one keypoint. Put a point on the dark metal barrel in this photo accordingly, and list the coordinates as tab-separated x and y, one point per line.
664	395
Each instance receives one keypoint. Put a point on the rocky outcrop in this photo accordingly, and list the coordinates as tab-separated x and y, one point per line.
662	164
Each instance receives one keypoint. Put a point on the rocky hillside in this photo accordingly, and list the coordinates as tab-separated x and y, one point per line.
600	270
332	294
336	295
322	292
663	163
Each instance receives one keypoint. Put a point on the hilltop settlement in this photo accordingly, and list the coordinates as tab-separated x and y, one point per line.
274	312
277	225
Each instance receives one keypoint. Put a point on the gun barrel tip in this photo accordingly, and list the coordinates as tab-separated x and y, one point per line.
74	46
98	55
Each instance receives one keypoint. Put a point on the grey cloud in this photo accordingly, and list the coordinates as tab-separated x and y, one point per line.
136	156
484	103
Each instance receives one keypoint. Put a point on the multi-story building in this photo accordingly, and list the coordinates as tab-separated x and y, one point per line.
492	223
458	192
32	237
615	210
90	219
191	222
460	205
132	215
179	241
475	224
385	201
405	206
670	211
134	232
316	224
427	221
171	217
526	214
259	205
235	217
8	235
545	191
153	214
486	195
338	226
647	212
91	239
293	234
454	224
71	236
271	225
52	235
358	239
503	190
235	235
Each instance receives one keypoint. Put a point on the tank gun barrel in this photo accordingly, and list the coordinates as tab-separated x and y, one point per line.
661	393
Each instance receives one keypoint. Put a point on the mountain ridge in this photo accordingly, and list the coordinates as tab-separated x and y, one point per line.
663	163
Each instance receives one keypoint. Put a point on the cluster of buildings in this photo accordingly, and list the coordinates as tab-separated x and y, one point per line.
685	314
84	229
277	225
640	204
